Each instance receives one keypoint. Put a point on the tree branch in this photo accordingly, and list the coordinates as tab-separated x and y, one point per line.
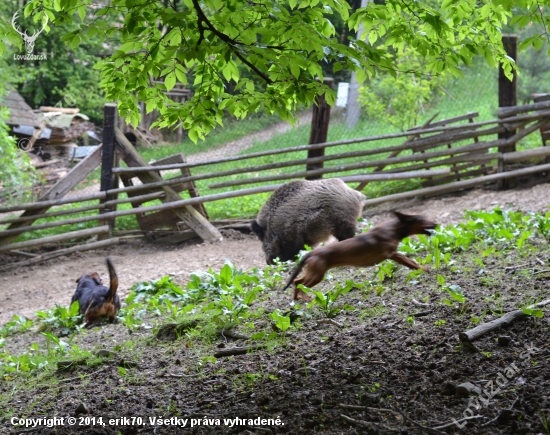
203	20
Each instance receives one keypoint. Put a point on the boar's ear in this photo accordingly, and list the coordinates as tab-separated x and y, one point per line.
257	229
402	216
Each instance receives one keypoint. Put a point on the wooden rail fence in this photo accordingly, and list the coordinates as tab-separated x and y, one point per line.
448	155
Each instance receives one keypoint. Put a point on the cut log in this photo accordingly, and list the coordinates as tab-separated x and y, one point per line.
507	319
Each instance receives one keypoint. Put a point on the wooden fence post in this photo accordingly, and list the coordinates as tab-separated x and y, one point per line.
108	158
319	130
507	96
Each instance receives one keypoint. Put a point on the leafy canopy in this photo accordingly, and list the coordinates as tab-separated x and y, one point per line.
400	100
204	44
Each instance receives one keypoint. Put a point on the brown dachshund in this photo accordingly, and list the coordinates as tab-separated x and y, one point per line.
367	249
95	300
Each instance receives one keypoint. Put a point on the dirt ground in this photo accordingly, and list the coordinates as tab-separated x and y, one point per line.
26	290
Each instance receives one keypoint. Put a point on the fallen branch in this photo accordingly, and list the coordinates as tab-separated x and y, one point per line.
76	378
507	319
354	421
234	334
420	304
422	313
363	408
517	266
175	375
237	351
331	321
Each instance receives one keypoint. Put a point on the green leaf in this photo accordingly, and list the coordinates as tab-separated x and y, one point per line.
226	274
282	322
170	81
127	47
82	12
75	41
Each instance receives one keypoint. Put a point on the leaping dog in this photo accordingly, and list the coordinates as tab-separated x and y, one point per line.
367	249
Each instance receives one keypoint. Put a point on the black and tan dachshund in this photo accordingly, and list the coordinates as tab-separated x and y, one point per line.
96	300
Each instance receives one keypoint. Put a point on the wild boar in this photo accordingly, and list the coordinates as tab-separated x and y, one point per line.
306	212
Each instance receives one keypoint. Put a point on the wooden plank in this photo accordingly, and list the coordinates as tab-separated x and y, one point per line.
188	214
380	176
505	112
71	111
75	176
457	176
142	198
444	122
57	238
458	185
541	97
80	248
51	214
526	154
52	203
445	139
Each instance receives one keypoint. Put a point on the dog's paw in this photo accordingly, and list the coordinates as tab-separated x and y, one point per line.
426	269
301	295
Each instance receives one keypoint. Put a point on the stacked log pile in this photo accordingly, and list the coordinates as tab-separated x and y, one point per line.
54	155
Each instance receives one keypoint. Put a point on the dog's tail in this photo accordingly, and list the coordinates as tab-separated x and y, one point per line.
113	278
296	271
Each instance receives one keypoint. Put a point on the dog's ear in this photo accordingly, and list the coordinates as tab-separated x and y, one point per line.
96	278
81	276
402	216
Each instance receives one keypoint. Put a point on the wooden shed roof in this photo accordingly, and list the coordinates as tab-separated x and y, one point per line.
20	112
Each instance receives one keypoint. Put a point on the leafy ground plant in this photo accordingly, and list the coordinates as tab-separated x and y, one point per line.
327	303
61	318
